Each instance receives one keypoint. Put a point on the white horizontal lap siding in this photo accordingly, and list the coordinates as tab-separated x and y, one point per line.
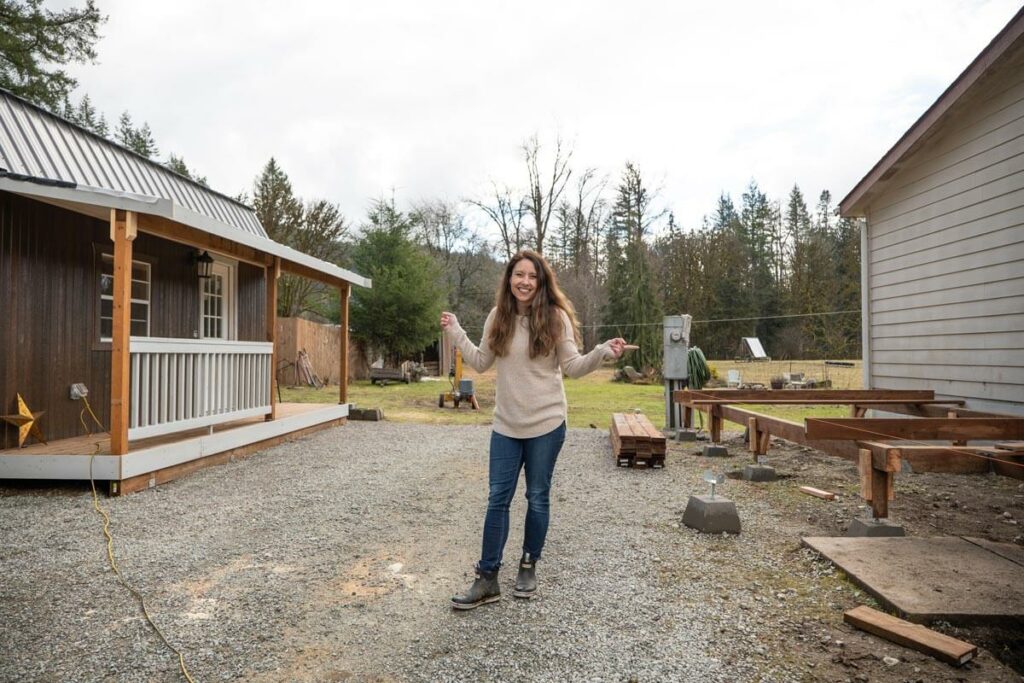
946	259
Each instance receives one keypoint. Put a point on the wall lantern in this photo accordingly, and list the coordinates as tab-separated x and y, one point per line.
203	263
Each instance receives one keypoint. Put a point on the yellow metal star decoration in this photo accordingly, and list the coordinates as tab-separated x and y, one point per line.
25	421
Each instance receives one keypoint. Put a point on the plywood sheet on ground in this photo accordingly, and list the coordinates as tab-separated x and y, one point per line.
954	579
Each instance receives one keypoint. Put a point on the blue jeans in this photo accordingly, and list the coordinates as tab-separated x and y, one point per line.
508	457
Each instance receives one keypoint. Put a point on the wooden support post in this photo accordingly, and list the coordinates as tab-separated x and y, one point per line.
953	415
715	415
759	438
864	470
687	417
273	272
858	411
123	230
343	293
882	493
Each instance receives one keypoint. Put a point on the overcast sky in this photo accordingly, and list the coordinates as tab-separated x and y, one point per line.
359	100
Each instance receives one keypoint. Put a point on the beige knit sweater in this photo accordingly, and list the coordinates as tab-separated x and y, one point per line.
530	397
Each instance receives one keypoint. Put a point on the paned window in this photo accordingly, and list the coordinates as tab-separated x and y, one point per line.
140	298
217	303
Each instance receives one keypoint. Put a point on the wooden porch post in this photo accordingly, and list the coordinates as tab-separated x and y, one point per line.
123	229
273	273
343	292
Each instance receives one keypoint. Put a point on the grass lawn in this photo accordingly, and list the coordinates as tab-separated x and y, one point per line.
592	400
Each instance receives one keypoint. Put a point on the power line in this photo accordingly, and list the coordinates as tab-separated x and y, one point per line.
717	320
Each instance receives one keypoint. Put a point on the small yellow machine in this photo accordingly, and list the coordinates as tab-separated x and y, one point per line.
462	389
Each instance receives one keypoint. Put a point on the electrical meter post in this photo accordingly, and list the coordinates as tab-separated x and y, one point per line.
674	367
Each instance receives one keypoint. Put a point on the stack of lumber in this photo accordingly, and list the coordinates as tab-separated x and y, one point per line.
304	371
635	441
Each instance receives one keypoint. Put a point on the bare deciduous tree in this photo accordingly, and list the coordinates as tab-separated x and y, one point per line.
506	212
541	198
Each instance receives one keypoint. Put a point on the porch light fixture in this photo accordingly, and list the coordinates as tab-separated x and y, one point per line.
203	263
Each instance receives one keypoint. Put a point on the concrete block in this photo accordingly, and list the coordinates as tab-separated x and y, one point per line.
714	450
874	528
712	515
686	435
368	414
759	473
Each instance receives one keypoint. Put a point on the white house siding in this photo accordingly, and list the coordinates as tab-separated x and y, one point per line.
945	257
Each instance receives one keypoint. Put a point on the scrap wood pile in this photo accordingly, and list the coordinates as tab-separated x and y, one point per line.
636	442
304	371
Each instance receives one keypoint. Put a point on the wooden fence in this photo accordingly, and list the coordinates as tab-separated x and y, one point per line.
322	344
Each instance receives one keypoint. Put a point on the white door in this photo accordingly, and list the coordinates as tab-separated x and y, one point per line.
217	307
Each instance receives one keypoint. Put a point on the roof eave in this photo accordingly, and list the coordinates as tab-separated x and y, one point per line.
157	206
855	203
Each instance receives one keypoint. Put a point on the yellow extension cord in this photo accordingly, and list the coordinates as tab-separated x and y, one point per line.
110	543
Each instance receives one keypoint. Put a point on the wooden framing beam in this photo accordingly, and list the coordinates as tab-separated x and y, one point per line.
863	405
929	410
123	230
307	272
343	292
176	232
777	426
835	395
921	429
933	458
272	274
885	457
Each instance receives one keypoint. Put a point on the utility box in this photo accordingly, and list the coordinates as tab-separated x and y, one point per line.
674	368
677	343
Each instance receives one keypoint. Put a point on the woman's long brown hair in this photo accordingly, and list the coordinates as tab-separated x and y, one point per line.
545	323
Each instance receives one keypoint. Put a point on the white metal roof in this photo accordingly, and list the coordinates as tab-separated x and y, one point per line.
43	155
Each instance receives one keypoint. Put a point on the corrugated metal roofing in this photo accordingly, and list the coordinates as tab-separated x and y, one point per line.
40	145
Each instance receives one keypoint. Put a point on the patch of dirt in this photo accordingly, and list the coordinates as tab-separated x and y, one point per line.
988	506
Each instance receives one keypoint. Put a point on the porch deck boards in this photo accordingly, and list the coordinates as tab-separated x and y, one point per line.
99	444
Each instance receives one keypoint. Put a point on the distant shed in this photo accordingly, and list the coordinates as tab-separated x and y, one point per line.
943	248
752	350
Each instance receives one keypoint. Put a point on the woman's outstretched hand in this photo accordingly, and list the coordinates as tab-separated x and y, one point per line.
448	320
617	346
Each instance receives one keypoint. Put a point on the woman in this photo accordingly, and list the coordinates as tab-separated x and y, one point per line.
532	335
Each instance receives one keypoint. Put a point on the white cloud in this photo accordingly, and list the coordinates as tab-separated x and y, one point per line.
357	100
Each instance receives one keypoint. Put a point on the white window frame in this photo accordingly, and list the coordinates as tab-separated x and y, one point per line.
228	270
104	256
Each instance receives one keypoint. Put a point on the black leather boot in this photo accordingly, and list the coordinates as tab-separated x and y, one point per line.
485	589
526	580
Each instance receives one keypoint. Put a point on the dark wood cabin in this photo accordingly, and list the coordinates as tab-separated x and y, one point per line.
155	292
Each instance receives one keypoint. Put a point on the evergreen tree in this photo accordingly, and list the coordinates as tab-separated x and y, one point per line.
398	316
824	220
139	140
759	221
90	119
35	43
178	165
85	115
276	207
725	216
802	293
633	310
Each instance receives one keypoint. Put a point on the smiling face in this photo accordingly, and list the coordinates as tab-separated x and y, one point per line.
523	283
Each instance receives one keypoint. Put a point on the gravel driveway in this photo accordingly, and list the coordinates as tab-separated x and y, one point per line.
332	558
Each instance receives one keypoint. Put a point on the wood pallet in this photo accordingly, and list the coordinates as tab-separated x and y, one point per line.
636	442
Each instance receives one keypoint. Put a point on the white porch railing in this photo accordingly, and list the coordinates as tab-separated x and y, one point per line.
180	384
